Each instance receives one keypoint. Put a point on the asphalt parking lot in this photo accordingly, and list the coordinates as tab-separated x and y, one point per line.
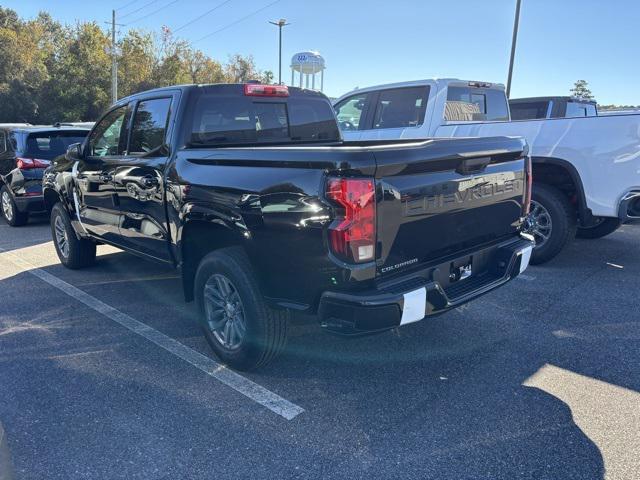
100	377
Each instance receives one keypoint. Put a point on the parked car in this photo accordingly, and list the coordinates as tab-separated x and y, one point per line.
551	107
250	192
585	170
25	152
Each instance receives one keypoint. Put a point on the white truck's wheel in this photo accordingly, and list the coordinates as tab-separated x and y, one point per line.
551	221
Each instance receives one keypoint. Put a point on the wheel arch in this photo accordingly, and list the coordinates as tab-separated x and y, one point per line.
562	175
197	238
51	197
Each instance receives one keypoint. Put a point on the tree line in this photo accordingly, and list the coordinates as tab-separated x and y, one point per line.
53	72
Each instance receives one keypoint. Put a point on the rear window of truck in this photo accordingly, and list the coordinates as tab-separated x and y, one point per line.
529	110
227	120
49	145
469	104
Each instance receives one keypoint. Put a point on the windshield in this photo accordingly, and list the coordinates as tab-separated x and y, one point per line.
49	145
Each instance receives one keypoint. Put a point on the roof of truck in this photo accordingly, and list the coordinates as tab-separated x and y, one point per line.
417	83
191	86
558	98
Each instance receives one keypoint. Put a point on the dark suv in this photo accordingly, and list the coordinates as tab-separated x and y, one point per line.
25	152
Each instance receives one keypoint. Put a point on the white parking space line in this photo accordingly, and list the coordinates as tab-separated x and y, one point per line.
243	385
151	278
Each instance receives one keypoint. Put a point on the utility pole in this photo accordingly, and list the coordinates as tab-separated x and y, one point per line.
514	40
113	51
114	60
280	23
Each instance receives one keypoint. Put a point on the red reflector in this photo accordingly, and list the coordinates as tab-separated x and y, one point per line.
257	90
30	163
353	235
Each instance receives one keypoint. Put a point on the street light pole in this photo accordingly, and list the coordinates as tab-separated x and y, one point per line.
280	23
514	40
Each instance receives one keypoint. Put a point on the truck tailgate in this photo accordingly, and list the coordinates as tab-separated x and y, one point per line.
432	204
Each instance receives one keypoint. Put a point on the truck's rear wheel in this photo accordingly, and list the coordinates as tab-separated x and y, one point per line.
73	252
552	222
598	228
239	326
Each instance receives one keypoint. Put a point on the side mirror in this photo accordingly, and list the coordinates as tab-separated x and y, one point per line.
74	152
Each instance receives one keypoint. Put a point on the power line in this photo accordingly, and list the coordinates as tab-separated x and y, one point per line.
138	9
201	16
126	5
153	13
237	21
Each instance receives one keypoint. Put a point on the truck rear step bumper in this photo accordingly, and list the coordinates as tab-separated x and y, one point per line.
419	296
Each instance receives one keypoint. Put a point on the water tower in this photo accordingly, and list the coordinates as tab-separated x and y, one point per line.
307	65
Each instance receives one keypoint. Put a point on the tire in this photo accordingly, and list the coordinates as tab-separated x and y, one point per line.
74	253
265	329
601	227
9	209
561	217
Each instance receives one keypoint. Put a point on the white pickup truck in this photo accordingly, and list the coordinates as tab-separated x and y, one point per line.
586	170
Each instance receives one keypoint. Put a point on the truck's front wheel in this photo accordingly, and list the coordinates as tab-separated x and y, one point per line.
72	251
552	222
242	330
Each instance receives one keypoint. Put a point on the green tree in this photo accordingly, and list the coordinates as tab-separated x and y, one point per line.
241	69
53	72
136	63
581	90
267	77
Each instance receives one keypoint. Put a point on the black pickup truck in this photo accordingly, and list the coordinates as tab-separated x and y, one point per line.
250	192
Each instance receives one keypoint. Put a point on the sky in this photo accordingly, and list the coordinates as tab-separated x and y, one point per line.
374	42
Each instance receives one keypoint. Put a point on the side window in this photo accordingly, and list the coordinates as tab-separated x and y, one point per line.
401	107
466	104
349	112
497	109
107	137
3	142
149	126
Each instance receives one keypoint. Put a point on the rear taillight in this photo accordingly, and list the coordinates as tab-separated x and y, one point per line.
527	195
353	234
257	90
30	163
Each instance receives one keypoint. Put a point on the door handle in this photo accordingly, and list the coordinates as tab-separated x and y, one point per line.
473	165
149	181
106	178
